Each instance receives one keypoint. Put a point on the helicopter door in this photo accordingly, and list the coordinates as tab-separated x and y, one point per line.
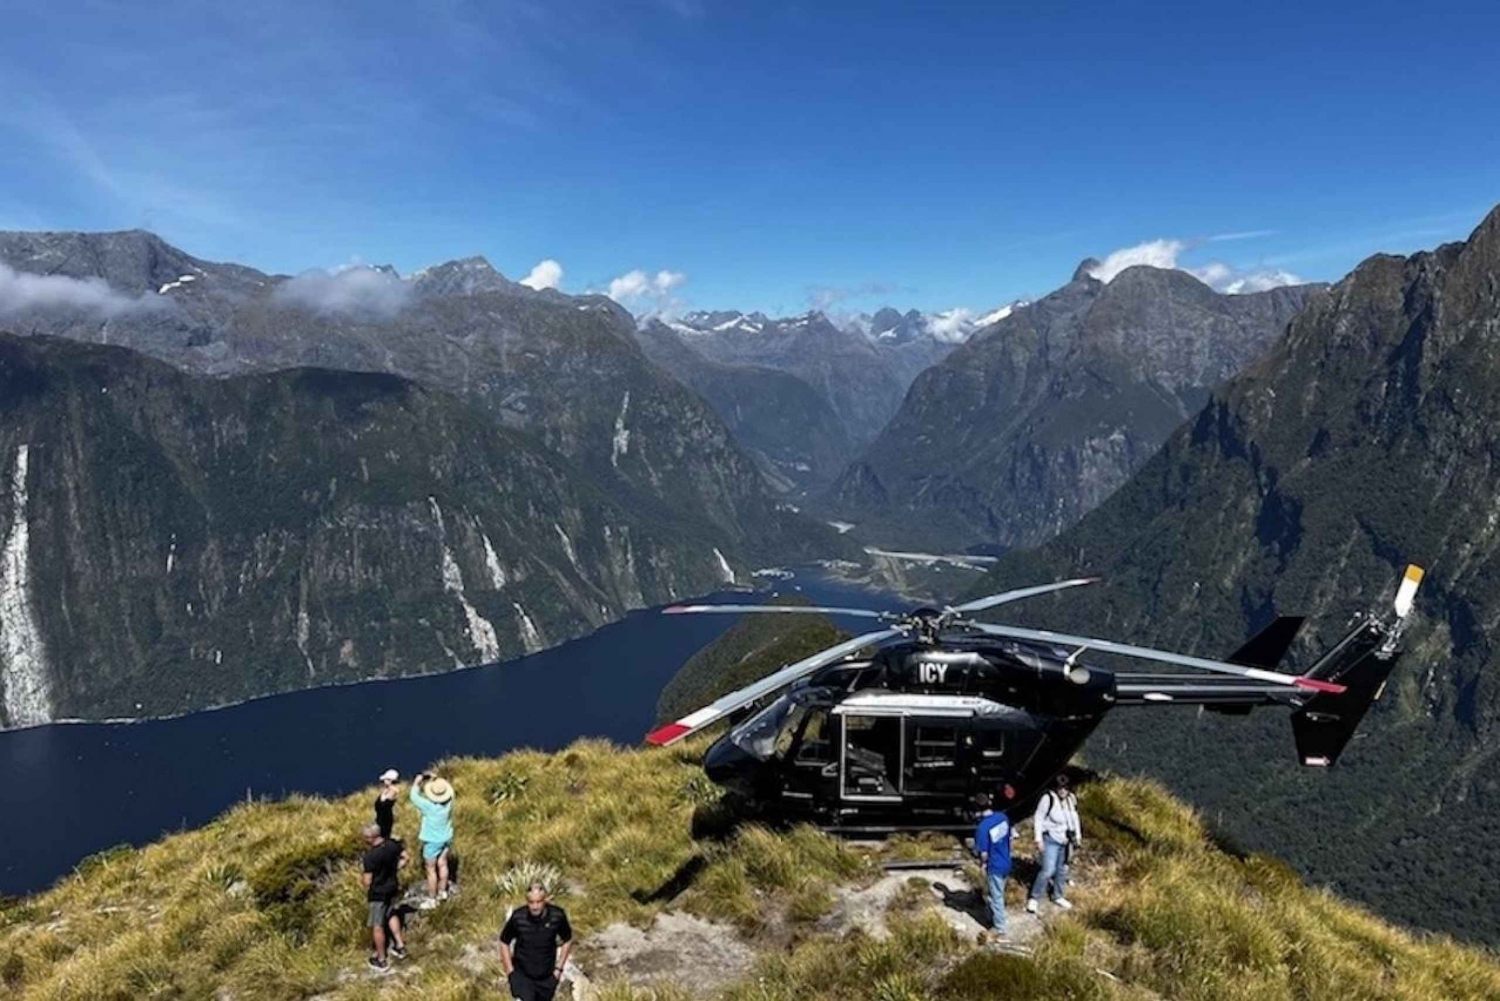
934	765
872	758
813	764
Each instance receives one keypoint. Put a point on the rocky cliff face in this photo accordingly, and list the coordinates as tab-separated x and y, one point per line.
786	425
1041	416
1369	437
173	542
565	370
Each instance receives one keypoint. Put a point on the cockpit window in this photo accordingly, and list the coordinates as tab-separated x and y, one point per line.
757	736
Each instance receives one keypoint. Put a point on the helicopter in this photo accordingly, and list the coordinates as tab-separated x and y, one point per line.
899	728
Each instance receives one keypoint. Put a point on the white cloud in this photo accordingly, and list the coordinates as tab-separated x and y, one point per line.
1217	275
1153	253
951	325
1247	234
352	289
1260	281
547	274
21	291
649	295
629	286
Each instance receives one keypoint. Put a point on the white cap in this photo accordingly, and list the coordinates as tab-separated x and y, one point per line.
389	775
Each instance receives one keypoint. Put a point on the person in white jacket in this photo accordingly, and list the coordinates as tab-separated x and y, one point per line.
1057	833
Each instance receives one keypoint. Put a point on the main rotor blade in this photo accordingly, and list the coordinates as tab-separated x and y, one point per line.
863	613
695	721
1147	653
979	604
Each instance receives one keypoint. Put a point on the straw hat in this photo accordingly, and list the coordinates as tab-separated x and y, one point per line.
438	790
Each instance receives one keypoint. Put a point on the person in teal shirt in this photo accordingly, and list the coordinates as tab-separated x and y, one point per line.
433	798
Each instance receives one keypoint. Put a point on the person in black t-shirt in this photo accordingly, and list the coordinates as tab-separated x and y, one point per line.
382	881
385	803
529	946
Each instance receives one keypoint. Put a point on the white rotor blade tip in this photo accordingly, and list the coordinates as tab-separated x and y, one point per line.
1407	592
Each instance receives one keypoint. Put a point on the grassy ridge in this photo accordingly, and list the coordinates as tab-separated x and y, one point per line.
264	903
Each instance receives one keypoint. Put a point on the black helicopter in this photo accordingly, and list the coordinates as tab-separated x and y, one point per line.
904	736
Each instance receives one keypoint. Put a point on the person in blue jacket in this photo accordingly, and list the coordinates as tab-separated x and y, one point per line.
992	843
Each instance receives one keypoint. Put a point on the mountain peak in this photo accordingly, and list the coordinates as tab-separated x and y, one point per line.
1086	268
133	261
464	276
884	319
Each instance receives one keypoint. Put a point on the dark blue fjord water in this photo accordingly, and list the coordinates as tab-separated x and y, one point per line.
69	790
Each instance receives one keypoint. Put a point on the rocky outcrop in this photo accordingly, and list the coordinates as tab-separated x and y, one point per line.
1041	416
173	542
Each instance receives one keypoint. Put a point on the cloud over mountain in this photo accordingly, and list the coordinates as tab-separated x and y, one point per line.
648	294
353	289
21	291
952	326
547	274
1164	253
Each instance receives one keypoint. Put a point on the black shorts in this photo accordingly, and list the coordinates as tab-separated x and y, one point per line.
527	989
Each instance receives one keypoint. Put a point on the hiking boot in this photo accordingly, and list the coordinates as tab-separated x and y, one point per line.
1031	905
1064	903
443	895
378	966
427	904
397	952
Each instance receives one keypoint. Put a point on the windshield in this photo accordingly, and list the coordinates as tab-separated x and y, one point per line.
757	736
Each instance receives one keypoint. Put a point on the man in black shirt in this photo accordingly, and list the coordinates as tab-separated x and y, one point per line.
382	882
529	943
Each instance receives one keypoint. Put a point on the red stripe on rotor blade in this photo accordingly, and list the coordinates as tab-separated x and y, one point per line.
666	734
1313	684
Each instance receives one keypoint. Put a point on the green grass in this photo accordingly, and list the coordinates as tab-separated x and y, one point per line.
265	903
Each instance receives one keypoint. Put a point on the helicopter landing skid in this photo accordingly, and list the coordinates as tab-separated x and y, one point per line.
877	830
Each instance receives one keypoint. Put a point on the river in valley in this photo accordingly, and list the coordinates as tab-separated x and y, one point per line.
69	790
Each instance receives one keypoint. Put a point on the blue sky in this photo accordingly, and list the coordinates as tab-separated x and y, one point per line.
776	155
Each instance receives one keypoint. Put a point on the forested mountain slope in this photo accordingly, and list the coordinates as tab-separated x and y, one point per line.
1369	437
172	541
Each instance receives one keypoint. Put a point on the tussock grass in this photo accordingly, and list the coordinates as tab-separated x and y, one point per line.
265	903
